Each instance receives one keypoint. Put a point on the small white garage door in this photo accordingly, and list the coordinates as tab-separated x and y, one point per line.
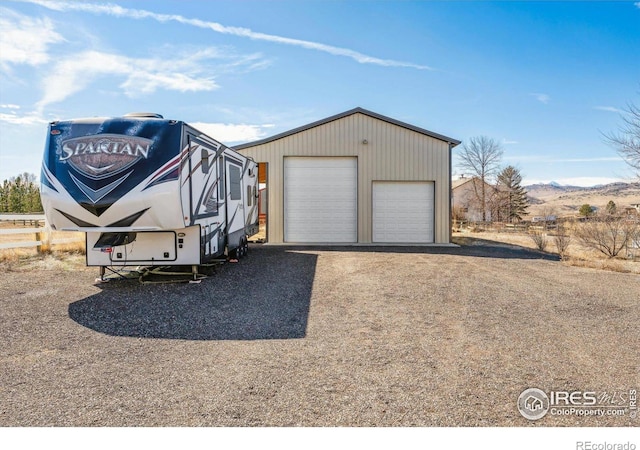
320	199
403	212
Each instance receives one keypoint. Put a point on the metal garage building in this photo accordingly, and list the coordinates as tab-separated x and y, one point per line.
357	177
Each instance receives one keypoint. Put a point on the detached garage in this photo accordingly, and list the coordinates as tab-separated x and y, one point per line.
356	177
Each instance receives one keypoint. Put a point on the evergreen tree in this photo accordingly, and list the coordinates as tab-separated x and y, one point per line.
611	207
20	194
513	196
586	210
16	194
4	196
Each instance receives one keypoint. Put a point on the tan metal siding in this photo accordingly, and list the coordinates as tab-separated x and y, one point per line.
393	153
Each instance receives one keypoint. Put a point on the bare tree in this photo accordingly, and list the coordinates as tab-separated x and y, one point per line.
607	234
562	239
626	140
481	157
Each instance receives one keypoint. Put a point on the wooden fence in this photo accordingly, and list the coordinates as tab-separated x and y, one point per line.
40	230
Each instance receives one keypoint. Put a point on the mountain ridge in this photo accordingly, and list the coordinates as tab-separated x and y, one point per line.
566	200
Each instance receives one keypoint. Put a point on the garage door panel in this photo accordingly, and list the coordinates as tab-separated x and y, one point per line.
403	212
320	199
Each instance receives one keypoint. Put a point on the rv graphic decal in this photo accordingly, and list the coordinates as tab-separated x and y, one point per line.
95	195
100	156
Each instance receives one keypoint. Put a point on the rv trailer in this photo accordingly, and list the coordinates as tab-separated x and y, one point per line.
148	191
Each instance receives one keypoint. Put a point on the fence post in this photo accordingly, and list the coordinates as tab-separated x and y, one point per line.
44	237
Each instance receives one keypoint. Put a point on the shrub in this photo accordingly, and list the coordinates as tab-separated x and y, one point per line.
607	234
562	241
539	239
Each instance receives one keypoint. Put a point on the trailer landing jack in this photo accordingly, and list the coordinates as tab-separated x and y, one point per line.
157	274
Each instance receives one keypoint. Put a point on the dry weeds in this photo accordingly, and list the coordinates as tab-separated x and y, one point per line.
575	254
15	257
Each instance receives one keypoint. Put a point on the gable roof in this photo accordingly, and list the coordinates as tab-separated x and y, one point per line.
461	181
441	137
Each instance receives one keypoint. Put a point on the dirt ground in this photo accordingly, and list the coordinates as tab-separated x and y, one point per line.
294	336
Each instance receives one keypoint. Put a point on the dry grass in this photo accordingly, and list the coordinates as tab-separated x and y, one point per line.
15	258
19	260
575	255
567	202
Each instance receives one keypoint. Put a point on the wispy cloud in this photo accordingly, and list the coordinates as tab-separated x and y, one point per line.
24	39
547	159
32	118
186	72
12	115
542	98
27	40
587	160
508	142
141	76
119	11
233	133
608	109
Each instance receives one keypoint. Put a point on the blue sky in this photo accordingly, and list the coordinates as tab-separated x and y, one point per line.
544	78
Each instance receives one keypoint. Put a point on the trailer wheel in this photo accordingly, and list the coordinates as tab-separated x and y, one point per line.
240	251
246	246
240	248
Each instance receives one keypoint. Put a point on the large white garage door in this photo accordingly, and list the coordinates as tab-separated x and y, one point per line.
320	199
403	212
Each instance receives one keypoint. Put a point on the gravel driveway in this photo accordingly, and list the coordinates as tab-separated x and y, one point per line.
293	336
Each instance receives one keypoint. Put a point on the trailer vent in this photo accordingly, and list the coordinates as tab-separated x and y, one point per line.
147	115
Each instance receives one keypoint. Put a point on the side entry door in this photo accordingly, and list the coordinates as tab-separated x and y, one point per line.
234	200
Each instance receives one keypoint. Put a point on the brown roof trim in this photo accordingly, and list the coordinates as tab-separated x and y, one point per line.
441	137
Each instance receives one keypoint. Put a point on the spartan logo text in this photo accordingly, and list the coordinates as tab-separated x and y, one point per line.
102	155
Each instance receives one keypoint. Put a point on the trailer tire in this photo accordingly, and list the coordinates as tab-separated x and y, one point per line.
245	246
241	249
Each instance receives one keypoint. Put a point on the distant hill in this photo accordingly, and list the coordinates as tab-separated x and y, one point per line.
566	200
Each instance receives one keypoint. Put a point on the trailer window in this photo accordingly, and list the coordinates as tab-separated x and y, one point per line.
204	158
249	196
235	188
211	205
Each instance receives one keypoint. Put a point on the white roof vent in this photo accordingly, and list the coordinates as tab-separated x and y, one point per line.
144	114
